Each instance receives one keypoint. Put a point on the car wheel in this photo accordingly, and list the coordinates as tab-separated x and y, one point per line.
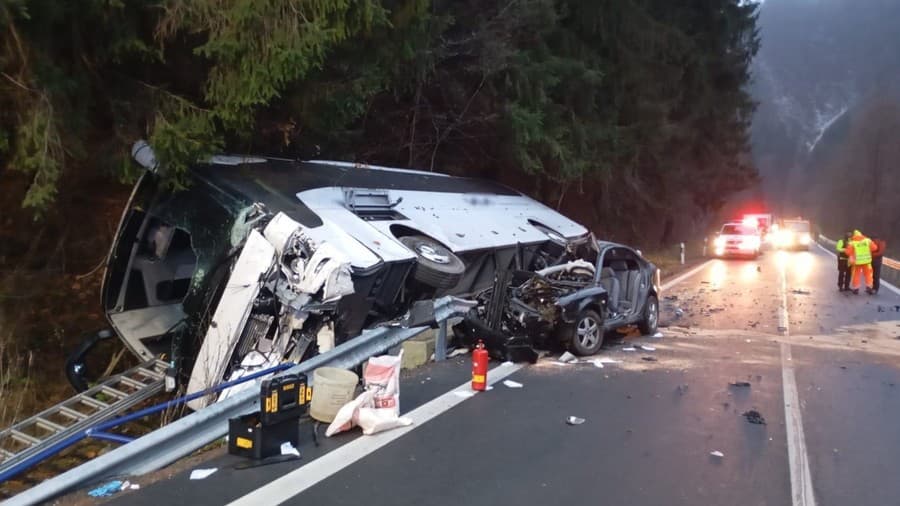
436	266
650	323
587	333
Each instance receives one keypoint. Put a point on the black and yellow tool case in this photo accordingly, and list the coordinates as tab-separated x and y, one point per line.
284	397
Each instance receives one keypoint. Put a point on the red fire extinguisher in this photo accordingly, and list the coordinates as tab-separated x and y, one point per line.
479	367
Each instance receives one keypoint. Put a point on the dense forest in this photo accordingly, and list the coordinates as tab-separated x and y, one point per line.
631	116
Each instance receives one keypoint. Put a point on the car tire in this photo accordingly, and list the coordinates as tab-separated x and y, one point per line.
586	336
649	324
436	266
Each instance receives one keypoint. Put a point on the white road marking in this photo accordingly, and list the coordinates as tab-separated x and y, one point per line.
301	479
682	277
295	482
884	283
798	457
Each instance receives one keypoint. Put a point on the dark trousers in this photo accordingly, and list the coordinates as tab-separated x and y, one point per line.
843	274
876	272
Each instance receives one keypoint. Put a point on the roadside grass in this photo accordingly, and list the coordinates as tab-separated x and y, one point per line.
15	380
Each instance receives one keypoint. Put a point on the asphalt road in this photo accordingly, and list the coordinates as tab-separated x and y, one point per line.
822	369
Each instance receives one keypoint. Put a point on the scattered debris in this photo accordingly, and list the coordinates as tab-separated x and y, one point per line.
568	358
130	486
758	268
843	367
671	297
754	417
679	312
512	384
658	335
288	449
597	363
741	384
800	291
646	348
107	489
556	362
649	359
465	394
574	420
507	364
717	453
629	348
605	360
457	352
682	389
202	474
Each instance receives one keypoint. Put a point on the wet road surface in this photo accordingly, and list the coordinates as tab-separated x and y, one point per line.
649	425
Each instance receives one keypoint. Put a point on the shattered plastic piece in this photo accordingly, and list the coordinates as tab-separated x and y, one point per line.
465	394
649	359
799	291
629	348
457	352
512	384
679	312
507	364
597	363
658	335
568	358
135	486
488	388
717	453
202	474
106	489
754	417
288	449
574	420
556	362
605	360
647	348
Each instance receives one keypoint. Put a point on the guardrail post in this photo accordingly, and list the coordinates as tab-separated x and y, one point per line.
682	253
440	346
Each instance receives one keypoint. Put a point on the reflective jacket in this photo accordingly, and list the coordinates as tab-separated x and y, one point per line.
860	250
840	246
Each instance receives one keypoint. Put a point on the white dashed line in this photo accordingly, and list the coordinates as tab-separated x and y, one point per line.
798	457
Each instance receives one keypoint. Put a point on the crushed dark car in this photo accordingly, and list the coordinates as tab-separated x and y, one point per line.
573	303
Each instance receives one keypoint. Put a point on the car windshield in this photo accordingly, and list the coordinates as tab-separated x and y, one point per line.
797	226
737	229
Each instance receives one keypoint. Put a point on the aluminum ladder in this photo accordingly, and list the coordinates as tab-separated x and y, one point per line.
80	412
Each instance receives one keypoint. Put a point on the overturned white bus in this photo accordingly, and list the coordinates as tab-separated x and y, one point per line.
261	260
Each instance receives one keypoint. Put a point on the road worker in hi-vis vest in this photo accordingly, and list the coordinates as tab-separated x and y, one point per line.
859	250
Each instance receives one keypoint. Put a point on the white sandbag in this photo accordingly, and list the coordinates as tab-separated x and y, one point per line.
378	408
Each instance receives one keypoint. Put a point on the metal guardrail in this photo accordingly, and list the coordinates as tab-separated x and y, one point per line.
186	435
